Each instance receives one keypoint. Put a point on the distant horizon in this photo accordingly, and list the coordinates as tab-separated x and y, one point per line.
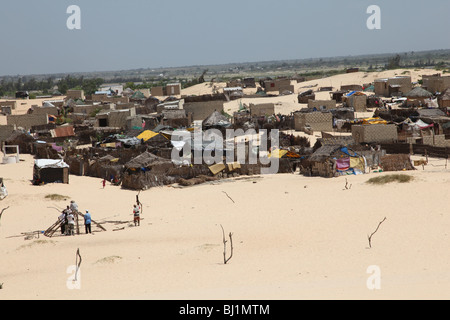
220	64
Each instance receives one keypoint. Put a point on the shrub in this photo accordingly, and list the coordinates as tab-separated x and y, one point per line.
400	178
56	197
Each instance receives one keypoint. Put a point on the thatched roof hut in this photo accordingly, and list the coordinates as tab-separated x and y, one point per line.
107	167
146	160
444	99
145	171
216	119
330	160
396	162
320	162
22	139
151	103
127	92
324	152
418	92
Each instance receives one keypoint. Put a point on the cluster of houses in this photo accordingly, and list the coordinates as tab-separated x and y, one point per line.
128	134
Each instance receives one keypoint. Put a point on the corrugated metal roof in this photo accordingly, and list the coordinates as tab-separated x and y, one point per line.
64	131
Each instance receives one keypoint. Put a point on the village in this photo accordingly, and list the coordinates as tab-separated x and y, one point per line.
125	136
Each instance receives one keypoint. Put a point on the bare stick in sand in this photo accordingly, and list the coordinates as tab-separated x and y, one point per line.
228	196
2	212
138	202
346	185
225	259
370	237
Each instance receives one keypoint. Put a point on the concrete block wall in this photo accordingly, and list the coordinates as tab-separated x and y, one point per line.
262	109
359	103
173	89
118	118
26	121
436	141
202	110
75	94
157	91
275	85
317	121
374	133
46	110
436	84
88	109
11	104
328	104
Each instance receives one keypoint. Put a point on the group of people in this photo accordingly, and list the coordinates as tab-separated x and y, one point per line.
67	219
69	214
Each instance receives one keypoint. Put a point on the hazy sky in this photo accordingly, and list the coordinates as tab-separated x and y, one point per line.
119	35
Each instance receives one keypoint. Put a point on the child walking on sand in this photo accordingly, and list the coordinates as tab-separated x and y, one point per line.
136	215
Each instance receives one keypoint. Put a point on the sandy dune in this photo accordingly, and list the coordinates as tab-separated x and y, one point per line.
294	238
289	103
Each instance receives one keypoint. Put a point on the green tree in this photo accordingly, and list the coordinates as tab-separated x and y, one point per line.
63	87
394	62
130	85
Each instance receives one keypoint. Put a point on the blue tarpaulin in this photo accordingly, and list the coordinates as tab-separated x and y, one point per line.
345	150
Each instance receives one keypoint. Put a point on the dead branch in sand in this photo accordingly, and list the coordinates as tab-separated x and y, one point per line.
138	202
3	211
228	196
225	259
370	237
347	187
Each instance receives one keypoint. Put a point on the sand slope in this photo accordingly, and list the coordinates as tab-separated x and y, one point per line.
294	238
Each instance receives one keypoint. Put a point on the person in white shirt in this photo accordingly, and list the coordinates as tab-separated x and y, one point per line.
71	224
73	206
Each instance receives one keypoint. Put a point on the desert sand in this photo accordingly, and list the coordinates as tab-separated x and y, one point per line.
294	237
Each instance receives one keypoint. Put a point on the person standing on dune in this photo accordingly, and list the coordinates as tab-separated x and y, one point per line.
87	222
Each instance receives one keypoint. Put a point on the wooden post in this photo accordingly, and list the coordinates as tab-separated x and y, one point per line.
52	229
78	224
